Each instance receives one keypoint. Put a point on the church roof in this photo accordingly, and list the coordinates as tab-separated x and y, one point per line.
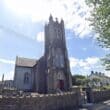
25	62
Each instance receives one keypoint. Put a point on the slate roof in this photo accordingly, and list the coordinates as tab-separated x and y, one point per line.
25	62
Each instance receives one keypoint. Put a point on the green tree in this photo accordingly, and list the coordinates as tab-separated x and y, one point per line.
100	21
106	61
79	80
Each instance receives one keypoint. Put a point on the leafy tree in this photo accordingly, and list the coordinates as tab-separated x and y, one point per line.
106	61
100	21
79	80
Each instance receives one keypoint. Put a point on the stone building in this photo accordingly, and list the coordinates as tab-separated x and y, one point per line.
51	73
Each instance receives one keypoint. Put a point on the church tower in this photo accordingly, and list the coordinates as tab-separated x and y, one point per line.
58	69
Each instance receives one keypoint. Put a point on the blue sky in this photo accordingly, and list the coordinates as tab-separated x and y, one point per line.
21	33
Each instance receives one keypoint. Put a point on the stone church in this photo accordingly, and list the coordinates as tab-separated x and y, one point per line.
51	73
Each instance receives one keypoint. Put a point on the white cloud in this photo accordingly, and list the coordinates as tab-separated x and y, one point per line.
7	68
84	66
106	49
7	61
83	62
107	73
84	49
74	12
40	37
69	37
0	31
92	60
73	62
9	75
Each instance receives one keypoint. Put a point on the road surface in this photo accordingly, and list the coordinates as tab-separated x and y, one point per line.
99	106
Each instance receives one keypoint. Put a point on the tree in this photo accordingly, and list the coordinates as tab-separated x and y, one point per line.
79	80
100	21
106	61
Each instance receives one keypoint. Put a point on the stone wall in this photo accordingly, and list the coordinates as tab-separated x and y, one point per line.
99	96
64	101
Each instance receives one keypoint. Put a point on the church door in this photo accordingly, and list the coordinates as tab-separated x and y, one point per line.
61	84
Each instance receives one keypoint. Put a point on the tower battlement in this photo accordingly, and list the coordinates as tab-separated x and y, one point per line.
56	20
54	34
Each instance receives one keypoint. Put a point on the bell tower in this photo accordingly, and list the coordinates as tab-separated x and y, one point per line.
58	69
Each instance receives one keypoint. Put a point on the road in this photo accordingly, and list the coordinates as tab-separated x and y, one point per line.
100	106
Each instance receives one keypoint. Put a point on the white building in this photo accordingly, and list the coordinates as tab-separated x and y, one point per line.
98	79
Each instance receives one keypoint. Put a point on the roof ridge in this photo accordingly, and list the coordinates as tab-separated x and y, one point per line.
26	58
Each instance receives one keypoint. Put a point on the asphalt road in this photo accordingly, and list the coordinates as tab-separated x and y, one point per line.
100	106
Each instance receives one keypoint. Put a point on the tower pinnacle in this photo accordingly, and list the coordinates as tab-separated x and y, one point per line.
50	18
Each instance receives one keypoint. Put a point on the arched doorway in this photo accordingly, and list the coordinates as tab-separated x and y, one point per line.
60	81
61	84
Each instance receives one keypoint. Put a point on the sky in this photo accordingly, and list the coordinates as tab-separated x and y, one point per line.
22	33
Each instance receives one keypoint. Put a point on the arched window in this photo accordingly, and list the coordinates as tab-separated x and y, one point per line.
58	59
26	78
